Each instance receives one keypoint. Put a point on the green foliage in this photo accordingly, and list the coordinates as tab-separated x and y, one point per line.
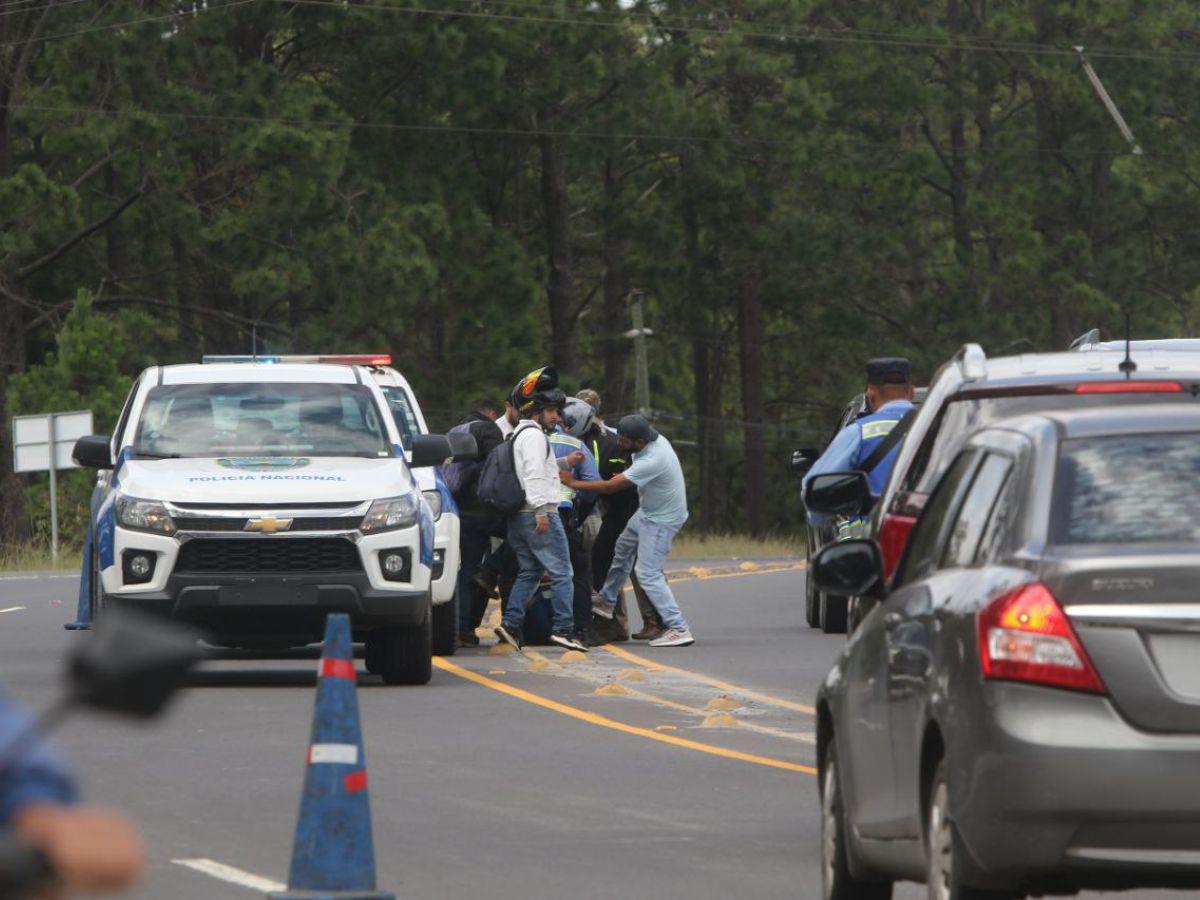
790	187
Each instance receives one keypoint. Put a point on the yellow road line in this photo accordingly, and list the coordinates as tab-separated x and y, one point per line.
684	708
605	722
708	679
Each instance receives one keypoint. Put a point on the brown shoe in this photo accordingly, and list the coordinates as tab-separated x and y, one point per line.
649	633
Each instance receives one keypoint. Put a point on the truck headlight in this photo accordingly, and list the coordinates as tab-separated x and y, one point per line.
392	512
144	515
434	499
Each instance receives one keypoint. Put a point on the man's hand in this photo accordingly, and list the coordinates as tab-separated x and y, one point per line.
542	524
91	849
575	458
567	478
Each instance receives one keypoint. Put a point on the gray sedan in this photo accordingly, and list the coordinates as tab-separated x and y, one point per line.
1020	711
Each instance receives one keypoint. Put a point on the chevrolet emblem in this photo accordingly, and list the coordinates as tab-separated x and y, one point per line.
268	525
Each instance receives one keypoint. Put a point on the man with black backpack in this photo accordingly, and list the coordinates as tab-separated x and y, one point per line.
477	526
520	480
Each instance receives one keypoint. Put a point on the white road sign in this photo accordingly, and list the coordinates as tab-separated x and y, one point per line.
31	439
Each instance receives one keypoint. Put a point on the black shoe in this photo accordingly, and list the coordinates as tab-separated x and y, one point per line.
593	637
511	635
468	639
567	639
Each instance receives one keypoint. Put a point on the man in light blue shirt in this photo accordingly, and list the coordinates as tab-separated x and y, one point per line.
645	543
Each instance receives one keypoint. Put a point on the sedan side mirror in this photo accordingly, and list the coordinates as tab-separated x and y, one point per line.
93	451
804	459
839	494
848	568
430	450
463	446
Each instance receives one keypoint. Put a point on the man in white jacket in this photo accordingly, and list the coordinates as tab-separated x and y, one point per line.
536	533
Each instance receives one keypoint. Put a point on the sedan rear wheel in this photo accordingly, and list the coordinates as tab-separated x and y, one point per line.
837	882
944	847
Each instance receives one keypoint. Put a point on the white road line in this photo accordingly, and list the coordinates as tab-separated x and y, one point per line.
35	577
12	609
222	872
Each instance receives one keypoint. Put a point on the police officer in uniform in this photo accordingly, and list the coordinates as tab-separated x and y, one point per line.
867	444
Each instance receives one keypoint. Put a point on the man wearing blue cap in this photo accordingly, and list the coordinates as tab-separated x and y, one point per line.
646	541
870	444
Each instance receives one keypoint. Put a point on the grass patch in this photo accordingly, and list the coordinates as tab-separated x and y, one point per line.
37	558
736	546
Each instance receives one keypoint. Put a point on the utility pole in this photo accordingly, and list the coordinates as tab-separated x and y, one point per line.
638	334
1126	132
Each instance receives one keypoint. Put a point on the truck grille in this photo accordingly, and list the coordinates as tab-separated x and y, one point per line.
235	523
269	555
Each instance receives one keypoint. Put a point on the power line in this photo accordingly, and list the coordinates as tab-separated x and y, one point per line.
833	146
619	19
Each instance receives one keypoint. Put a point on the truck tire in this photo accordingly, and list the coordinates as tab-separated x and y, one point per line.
406	653
833	614
445	627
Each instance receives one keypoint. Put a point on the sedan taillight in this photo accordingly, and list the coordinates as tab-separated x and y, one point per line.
893	536
1024	635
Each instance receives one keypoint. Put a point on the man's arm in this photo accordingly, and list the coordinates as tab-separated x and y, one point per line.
617	483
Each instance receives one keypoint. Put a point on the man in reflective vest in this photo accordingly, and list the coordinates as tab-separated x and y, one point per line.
867	444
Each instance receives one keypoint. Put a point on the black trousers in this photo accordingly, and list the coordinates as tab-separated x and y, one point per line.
580	569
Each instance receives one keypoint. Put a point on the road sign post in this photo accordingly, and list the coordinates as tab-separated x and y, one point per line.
44	443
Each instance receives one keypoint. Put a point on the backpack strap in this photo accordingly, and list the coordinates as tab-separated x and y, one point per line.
889	443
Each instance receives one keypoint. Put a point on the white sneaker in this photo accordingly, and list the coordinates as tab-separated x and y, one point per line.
674	638
600	608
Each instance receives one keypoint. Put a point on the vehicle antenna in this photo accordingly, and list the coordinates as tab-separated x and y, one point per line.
1128	366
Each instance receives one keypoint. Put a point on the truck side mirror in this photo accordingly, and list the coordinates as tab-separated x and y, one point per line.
839	494
804	459
430	450
463	447
93	451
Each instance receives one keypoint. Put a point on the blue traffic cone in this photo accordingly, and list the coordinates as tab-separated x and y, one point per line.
334	856
83	614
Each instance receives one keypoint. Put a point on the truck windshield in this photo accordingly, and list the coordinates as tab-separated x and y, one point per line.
1141	488
207	420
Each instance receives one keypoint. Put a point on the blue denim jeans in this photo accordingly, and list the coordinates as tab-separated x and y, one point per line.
643	547
538	553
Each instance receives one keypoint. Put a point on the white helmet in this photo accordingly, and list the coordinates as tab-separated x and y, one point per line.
577	416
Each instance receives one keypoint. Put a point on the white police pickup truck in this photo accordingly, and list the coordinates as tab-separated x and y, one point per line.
410	422
252	499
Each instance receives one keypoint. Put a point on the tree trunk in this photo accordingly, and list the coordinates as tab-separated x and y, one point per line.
613	313
12	360
750	337
559	289
958	142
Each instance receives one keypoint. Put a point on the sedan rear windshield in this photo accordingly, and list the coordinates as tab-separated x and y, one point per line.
964	416
207	420
1128	489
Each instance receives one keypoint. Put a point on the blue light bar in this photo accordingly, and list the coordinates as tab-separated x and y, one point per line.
209	360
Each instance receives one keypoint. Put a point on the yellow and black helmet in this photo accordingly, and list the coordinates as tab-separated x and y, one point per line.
538	389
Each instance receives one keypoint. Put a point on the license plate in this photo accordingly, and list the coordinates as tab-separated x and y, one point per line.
267	594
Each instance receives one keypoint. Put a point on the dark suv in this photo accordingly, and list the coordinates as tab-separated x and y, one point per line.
822	610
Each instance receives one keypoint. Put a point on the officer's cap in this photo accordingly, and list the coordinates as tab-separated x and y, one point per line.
889	370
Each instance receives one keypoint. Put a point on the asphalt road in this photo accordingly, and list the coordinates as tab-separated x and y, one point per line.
680	772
